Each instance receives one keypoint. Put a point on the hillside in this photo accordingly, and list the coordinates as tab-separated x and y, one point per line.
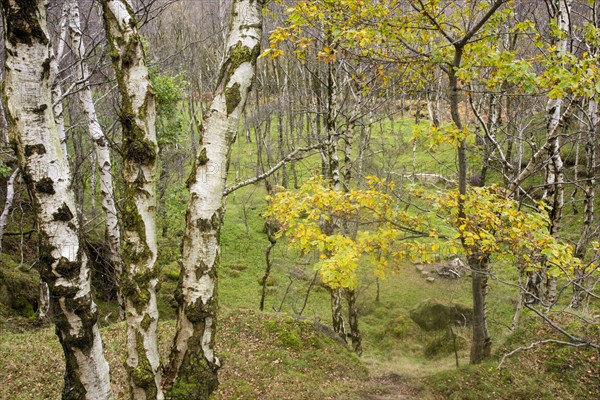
264	356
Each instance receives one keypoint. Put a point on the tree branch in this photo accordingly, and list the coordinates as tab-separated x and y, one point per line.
561	330
271	171
532	345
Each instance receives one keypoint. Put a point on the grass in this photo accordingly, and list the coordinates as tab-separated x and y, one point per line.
264	356
272	356
545	372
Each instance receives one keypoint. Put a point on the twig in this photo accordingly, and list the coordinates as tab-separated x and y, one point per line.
532	345
287	290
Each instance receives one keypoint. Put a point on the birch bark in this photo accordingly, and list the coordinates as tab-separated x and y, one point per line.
101	148
43	164
555	172
57	94
589	187
139	248
8	202
192	370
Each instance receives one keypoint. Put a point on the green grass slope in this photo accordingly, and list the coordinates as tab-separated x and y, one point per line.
264	357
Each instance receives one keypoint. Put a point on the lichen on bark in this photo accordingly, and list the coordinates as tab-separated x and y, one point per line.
140	151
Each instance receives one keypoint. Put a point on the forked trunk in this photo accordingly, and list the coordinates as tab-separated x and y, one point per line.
193	366
63	262
139	250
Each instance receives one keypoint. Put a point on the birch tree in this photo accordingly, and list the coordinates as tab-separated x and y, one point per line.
57	94
555	180
8	203
139	248
193	365
42	161
101	148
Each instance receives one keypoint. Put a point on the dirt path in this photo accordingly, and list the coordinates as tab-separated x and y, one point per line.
390	387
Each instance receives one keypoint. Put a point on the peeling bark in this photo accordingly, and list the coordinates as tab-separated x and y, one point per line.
192	370
34	134
139	248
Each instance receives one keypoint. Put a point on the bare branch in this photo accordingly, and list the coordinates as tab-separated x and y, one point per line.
271	171
532	345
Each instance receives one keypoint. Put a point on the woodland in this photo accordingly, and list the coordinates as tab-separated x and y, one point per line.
300	199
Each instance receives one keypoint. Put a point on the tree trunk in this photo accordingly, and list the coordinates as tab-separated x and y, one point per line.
8	202
43	302
56	88
554	171
101	148
140	277
63	262
354	334
588	202
272	243
482	343
192	370
332	134
339	326
520	301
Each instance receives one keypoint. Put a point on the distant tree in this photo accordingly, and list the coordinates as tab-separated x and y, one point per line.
493	227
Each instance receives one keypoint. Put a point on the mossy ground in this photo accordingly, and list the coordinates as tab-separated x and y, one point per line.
264	356
272	356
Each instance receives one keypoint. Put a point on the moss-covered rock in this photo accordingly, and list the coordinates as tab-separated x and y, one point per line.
432	315
18	289
402	327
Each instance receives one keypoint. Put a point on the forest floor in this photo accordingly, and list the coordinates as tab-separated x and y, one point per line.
391	387
278	354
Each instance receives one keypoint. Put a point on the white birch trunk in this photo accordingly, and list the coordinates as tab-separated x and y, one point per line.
101	148
56	88
334	225
43	302
43	164
192	371
555	171
139	249
589	186
8	202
